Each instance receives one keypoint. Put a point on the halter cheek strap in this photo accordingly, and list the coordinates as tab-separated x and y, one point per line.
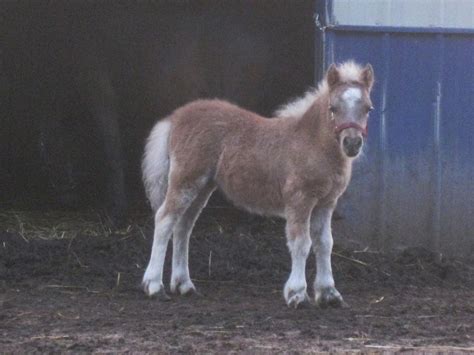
346	125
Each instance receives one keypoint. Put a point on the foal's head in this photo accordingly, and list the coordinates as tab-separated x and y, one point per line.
349	104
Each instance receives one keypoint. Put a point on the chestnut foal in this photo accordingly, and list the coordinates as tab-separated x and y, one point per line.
295	166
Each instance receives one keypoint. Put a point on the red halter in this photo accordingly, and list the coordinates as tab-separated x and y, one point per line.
346	125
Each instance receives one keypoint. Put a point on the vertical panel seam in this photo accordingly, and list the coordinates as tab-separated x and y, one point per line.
382	210
436	218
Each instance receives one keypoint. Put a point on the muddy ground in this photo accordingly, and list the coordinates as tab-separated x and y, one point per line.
80	293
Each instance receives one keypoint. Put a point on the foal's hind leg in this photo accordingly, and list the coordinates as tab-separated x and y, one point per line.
325	292
178	199
180	280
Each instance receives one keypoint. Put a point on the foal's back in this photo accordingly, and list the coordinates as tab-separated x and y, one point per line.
217	120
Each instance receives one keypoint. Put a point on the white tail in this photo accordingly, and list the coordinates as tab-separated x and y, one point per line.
156	164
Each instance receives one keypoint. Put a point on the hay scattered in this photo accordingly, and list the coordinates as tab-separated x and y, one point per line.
49	225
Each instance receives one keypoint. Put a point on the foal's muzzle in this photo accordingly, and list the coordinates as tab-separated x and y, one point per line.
352	142
352	146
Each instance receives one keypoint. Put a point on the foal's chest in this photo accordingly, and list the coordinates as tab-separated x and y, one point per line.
338	183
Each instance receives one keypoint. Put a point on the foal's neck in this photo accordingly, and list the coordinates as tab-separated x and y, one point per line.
317	123
318	128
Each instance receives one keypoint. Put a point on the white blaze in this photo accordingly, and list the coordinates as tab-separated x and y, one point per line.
351	96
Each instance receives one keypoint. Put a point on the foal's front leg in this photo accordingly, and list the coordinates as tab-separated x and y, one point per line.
324	287
299	244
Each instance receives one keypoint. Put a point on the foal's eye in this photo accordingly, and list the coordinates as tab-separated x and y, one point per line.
332	109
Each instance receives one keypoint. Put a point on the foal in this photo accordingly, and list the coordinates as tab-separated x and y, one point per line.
295	166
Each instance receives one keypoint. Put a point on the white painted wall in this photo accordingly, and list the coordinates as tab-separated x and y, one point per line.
405	13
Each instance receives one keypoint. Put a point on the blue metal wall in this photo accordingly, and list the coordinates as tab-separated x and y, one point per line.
415	185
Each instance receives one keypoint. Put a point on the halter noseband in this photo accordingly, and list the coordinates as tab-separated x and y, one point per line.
346	125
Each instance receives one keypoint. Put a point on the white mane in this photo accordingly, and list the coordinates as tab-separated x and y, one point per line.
348	71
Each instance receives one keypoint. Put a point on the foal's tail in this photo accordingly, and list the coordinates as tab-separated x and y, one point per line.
156	164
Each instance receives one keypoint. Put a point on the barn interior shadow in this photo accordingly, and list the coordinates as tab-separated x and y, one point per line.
83	82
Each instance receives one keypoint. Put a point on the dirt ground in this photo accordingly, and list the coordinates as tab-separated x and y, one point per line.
79	292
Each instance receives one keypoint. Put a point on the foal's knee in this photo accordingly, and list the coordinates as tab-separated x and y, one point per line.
323	245
300	245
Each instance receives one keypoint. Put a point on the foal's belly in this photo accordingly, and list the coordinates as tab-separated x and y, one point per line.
255	201
251	188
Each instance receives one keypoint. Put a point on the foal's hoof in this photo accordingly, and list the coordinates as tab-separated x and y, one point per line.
184	288
156	290
192	293
329	297
296	299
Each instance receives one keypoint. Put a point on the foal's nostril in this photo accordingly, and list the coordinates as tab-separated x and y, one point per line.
357	142
352	142
346	142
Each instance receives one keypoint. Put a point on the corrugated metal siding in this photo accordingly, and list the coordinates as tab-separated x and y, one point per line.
415	184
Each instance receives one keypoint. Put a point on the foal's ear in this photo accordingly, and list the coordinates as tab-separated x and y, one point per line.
368	76
333	76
